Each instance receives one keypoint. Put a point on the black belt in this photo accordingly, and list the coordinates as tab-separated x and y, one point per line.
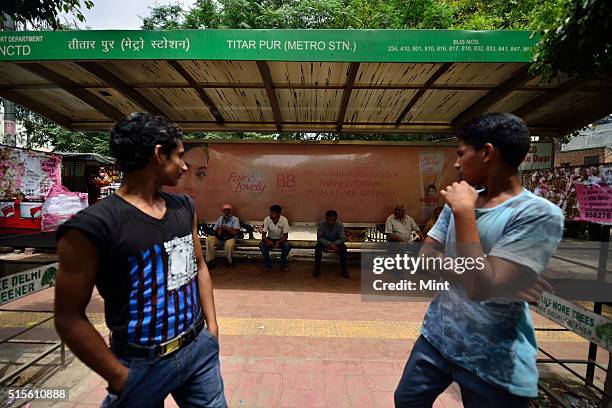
124	349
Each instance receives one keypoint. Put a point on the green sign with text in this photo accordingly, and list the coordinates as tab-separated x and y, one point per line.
271	45
20	284
593	327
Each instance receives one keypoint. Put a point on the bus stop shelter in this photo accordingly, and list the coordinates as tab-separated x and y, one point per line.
352	81
329	81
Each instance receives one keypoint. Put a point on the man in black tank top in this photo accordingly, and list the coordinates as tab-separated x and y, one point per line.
141	250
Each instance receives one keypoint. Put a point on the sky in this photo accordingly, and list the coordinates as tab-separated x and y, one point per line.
122	14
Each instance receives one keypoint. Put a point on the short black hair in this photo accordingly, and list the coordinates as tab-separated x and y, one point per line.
331	214
133	139
276	208
506	132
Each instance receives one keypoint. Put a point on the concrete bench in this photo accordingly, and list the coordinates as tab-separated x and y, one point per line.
303	248
295	244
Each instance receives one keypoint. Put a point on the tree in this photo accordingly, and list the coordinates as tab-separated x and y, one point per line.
204	15
362	14
578	41
41	14
40	133
166	17
346	14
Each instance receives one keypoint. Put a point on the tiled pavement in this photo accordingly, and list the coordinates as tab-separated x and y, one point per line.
288	340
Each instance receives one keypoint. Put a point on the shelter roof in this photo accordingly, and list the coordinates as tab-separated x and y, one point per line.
353	81
87	157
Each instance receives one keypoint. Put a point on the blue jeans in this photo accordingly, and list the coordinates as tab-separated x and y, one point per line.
427	374
342	251
192	375
265	251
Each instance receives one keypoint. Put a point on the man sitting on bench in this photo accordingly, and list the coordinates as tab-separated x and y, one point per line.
274	236
226	228
330	237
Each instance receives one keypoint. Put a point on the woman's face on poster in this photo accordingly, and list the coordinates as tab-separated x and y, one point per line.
193	180
430	195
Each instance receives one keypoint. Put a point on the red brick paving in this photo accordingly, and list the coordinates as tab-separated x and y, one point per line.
291	371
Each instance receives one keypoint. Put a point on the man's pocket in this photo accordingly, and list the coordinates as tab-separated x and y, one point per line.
113	400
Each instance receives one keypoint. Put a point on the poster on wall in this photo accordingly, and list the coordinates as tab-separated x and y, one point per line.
595	202
431	166
361	182
27	174
583	193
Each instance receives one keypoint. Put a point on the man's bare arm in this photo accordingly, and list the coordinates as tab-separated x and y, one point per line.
78	264
205	285
431	249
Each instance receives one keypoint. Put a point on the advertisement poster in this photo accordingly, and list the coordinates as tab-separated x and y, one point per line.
595	201
362	182
27	173
560	185
431	165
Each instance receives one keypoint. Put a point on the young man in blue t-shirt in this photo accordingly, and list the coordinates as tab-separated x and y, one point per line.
470	334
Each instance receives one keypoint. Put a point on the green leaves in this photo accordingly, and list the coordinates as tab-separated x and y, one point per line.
578	41
165	17
42	14
364	14
41	133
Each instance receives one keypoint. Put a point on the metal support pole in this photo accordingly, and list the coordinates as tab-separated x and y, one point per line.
10	124
607	402
597	307
590	373
63	353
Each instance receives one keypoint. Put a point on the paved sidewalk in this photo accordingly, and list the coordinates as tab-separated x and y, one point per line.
287	340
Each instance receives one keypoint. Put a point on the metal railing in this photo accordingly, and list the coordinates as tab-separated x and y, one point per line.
9	379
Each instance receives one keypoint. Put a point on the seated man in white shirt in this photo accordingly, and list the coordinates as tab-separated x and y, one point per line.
399	226
226	228
274	236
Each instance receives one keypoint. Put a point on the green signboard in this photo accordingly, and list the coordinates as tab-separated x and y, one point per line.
591	326
18	285
271	45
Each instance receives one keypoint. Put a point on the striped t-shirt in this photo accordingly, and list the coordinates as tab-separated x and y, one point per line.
147	271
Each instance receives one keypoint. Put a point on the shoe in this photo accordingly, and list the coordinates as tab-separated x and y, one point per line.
345	274
211	264
284	269
267	269
230	265
316	273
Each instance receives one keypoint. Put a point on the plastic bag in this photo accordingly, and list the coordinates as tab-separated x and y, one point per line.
61	204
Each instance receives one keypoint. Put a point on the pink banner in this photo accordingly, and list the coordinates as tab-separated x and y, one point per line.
595	201
361	182
558	185
27	173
